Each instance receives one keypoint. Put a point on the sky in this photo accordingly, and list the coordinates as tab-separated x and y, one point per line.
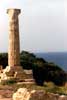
42	25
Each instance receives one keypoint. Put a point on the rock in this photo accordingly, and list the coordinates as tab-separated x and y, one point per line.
17	74
41	95
62	97
24	94
21	94
13	73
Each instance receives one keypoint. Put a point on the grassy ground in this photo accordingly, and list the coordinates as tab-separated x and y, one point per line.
48	87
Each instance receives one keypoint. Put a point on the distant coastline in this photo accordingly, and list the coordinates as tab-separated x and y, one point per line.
59	58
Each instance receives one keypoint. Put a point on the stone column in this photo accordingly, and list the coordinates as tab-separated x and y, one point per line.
14	45
13	70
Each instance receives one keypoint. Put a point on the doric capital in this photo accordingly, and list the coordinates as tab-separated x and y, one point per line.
15	11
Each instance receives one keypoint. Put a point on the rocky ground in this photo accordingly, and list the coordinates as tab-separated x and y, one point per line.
6	93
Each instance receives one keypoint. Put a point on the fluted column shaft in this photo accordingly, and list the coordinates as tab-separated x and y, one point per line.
14	45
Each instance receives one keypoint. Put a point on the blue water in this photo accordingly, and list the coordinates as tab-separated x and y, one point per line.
59	58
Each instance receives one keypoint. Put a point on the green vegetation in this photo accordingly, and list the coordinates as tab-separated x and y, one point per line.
52	88
4	59
49	72
8	82
48	87
42	70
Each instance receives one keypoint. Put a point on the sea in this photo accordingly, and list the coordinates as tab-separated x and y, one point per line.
59	58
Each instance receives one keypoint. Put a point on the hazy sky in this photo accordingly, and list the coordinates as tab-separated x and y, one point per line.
43	25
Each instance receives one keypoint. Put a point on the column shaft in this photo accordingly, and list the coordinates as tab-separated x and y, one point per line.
14	45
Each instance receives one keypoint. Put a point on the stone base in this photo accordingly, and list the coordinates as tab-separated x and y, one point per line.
16	73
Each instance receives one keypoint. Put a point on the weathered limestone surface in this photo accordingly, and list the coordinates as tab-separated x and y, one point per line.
21	94
24	94
14	45
13	70
13	73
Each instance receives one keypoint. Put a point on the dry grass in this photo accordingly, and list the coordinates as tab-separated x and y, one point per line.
48	87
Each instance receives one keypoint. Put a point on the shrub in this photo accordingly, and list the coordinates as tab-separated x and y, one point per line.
49	72
8	82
